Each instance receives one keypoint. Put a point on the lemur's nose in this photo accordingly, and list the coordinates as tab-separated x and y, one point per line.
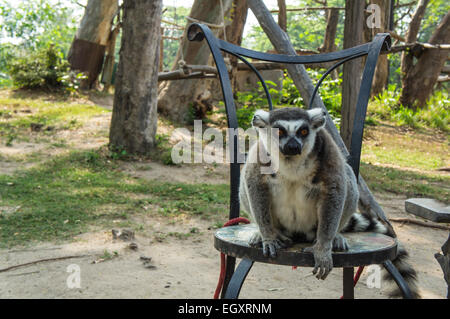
292	147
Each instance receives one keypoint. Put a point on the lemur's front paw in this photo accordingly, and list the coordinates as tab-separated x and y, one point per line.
270	247
323	262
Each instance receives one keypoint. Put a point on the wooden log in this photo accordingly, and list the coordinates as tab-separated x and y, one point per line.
176	26
206	71
446	69
301	80
308	9
180	75
419	223
281	66
443	78
167	37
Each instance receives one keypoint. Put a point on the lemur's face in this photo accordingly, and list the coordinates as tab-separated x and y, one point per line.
295	129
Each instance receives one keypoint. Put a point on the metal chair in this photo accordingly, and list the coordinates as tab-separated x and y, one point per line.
365	248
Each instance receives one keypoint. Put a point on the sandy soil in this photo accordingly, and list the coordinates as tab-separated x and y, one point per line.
184	268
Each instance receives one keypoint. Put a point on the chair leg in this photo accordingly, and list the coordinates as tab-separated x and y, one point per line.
399	280
229	271
349	292
236	282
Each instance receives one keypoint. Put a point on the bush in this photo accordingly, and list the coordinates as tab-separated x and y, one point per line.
435	114
44	68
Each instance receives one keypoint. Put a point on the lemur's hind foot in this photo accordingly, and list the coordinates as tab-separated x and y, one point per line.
340	243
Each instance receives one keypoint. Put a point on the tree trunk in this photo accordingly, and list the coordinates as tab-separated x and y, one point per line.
88	47
407	59
381	75
134	118
329	41
177	97
420	79
351	81
234	33
110	60
282	15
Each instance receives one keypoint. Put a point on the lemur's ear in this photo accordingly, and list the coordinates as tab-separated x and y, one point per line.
317	117
260	119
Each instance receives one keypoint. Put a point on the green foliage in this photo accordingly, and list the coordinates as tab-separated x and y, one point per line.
436	114
178	16
7	52
434	13
35	23
44	68
27	27
249	102
288	95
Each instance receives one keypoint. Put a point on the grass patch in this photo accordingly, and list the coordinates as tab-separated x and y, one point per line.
436	114
406	162
17	115
69	193
411	184
386	145
163	151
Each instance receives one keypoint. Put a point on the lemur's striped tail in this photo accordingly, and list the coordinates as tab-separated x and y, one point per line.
360	223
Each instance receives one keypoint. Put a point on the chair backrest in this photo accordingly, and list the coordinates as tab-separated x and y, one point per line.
382	41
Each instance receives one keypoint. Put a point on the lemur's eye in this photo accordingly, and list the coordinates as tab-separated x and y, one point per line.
281	133
303	131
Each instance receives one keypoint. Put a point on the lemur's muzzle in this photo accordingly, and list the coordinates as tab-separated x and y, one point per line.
292	147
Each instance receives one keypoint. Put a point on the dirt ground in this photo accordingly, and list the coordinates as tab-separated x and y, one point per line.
184	268
189	268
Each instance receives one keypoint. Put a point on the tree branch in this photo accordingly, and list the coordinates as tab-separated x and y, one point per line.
41	261
81	5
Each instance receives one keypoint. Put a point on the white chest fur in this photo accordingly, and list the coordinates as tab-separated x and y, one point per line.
293	203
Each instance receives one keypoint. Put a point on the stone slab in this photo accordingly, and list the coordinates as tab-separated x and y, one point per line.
428	208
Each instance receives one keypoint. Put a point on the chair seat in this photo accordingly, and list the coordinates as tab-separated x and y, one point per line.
365	248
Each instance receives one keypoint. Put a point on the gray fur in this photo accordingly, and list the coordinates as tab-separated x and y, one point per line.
313	194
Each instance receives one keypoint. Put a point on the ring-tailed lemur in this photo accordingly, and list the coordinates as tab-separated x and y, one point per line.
314	194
